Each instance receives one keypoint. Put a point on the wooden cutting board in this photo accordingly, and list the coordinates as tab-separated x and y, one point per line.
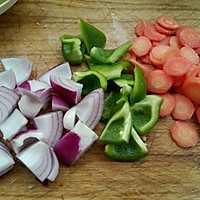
32	29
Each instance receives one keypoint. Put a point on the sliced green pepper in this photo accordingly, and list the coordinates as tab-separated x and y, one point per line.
132	151
91	80
91	61
110	105
108	55
145	113
124	80
112	71
91	35
140	88
125	91
73	49
118	128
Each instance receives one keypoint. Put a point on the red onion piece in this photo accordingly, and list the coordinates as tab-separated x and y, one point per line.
75	143
7	79
35	89
51	124
68	89
13	124
90	109
10	94
8	102
59	104
38	159
24	139
6	159
21	67
69	118
5	148
29	107
61	70
55	166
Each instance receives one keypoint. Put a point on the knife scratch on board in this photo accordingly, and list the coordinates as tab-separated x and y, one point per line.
51	190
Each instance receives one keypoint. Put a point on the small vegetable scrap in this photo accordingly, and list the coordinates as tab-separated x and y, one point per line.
168	54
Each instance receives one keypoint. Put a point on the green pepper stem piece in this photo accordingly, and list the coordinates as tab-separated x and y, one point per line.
132	151
118	128
108	55
112	71
92	36
145	113
140	88
91	80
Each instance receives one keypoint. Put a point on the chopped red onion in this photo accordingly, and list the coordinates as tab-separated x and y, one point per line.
90	109
68	89
34	147
55	166
61	70
75	143
8	102
7	79
5	148
6	160
29	107
51	124
39	159
69	118
21	67
35	89
59	104
13	124
24	139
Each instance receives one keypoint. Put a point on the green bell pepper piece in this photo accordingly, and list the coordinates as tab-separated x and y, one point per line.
118	83
124	80
108	55
92	37
73	49
91	61
112	71
110	105
118	128
125	91
91	80
132	151
140	89
145	113
122	85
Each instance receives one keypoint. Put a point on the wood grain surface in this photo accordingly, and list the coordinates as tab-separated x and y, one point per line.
32	29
